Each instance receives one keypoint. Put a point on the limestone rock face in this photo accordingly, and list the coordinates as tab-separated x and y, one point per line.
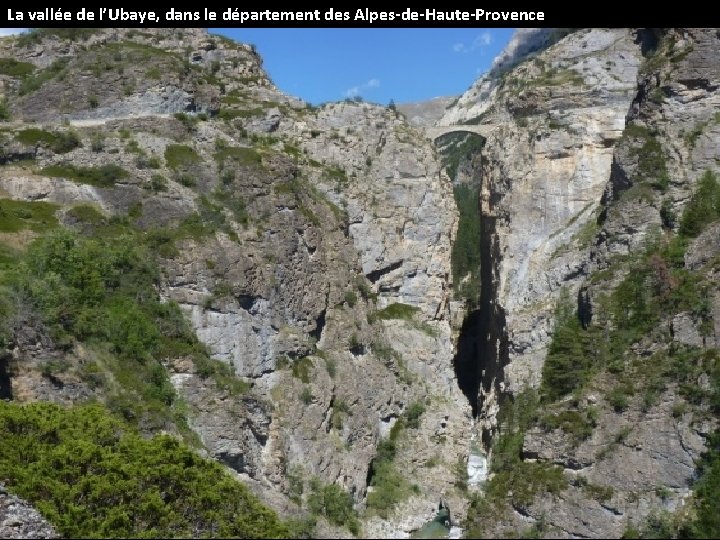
305	225
596	144
553	121
20	520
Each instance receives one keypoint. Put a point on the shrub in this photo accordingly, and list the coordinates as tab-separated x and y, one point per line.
413	414
179	156
703	207
465	256
579	424
158	183
570	355
351	298
397	311
34	81
334	503
4	110
707	492
20	215
240	155
103	176
306	395
86	213
15	68
93	475
59	142
103	292
301	369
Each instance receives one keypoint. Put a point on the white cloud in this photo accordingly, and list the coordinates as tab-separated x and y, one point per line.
357	90
480	42
11	31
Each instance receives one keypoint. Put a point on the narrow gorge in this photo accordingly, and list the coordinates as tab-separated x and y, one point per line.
496	316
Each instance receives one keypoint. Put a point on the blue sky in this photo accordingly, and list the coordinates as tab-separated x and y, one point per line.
378	64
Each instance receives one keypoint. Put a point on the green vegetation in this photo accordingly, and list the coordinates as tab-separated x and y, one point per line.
178	156
4	111
514	482
301	369
15	68
365	289
459	147
557	77
93	475
599	493
571	354
34	81
389	485
652	168
401	312
398	310
706	523
306	395
545	77
657	285
700	518
59	142
231	114
331	501
335	174
37	216
36	35
103	176
307	197
340	410
350	298
158	183
86	213
578	423
233	202
103	292
239	155
465	257
703	208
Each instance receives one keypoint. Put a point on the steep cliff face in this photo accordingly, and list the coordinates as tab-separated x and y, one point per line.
282	286
599	150
308	248
551	124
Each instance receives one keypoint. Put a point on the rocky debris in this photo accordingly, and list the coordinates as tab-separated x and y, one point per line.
20	520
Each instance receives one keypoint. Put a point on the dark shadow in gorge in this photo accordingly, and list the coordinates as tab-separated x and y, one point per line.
482	350
466	361
5	382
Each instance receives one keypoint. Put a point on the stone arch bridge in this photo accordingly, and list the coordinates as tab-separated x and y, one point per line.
433	132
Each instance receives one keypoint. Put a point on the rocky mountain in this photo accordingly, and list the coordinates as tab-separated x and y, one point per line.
597	151
308	248
504	305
